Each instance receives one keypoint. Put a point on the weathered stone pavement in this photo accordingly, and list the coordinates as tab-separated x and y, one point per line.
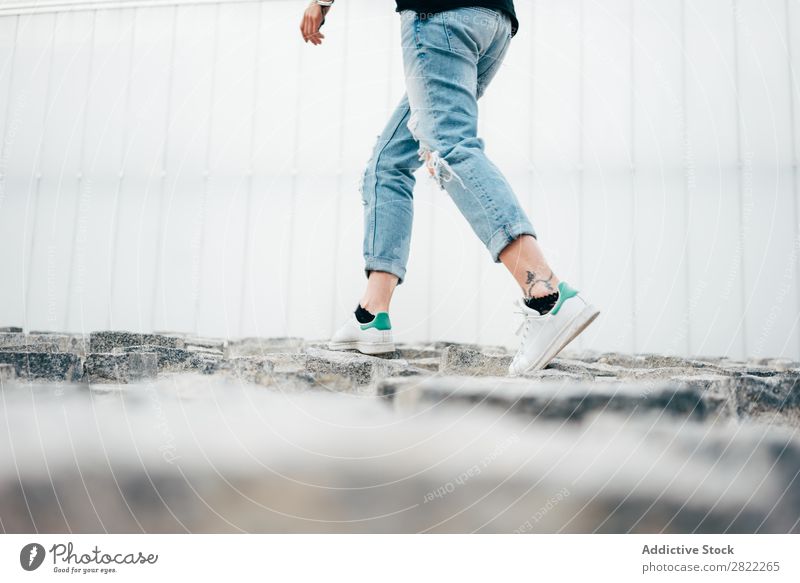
124	432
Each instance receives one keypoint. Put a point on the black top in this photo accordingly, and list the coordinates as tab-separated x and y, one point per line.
442	5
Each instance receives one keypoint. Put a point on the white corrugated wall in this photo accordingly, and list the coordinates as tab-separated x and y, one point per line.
193	166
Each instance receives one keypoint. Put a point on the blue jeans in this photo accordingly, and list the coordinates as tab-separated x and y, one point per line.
449	58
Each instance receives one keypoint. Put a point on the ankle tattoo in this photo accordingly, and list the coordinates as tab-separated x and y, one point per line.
532	280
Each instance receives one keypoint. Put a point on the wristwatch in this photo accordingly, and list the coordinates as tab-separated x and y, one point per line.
324	4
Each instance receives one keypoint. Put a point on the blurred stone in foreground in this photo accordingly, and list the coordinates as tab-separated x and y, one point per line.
167	433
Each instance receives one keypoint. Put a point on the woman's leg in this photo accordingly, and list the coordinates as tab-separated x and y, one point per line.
449	58
387	195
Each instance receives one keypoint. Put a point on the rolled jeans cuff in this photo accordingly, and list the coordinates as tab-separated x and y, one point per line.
381	264
505	235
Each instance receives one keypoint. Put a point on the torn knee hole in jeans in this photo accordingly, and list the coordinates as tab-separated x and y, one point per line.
438	168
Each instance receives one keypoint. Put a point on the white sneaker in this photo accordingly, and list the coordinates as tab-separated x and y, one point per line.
544	336
374	337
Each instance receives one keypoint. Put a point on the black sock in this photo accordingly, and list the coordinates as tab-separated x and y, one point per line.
543	304
363	315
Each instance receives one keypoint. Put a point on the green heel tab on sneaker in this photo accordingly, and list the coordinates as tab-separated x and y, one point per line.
564	293
380	322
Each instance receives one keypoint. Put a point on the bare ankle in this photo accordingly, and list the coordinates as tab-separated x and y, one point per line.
373	307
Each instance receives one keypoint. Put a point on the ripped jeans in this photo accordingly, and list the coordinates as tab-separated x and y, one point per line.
449	58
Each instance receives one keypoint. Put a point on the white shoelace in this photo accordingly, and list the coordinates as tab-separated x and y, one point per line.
522	328
526	318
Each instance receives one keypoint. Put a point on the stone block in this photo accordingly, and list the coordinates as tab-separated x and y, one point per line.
12	339
120	368
75	343
7	372
774	400
169	359
254	369
41	347
431	364
418	352
205	345
48	341
459	359
262	346
288	363
360	368
44	365
106	342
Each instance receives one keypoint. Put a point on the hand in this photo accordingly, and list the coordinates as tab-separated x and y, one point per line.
310	23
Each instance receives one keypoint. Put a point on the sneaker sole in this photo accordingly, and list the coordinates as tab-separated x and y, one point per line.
363	347
577	325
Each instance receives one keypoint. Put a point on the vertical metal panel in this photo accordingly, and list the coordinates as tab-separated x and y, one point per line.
114	227
102	144
330	272
160	166
274	182
632	148
76	266
768	196
230	158
141	165
9	29
184	210
608	231
659	224
58	205
713	184
249	203
792	59
688	177
11	301
35	54
744	190
199	248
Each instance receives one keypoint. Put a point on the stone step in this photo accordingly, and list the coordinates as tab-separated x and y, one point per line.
700	398
244	459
